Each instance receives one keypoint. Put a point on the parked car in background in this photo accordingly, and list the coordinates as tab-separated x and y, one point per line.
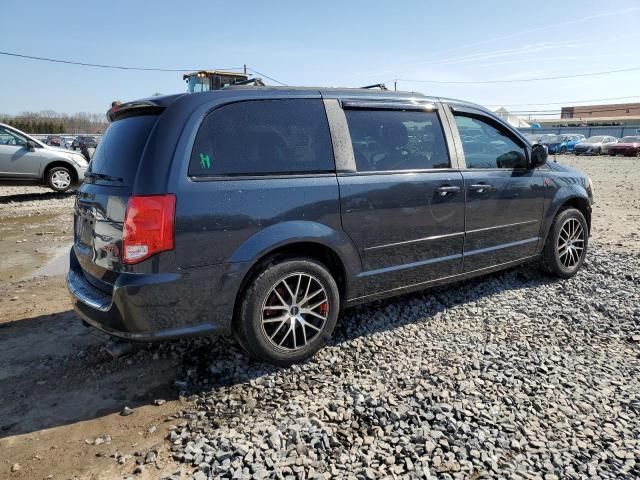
562	143
265	212
597	145
26	161
627	146
66	141
90	142
533	138
53	140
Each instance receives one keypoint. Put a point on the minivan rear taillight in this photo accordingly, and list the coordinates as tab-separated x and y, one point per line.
148	227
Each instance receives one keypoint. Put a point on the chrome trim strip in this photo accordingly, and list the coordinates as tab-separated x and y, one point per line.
408	265
403	104
86	294
425	239
501	246
443	279
502	226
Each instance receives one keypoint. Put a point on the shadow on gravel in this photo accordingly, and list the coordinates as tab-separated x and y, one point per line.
28	197
54	370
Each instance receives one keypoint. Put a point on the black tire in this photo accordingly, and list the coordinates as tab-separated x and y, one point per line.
54	177
563	150
552	259
598	151
576	154
252	333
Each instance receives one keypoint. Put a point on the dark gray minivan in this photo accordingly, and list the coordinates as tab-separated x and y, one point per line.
264	211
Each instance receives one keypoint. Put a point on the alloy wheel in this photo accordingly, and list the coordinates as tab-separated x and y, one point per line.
295	311
61	179
571	243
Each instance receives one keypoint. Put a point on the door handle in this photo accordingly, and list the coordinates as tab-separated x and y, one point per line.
480	187
446	189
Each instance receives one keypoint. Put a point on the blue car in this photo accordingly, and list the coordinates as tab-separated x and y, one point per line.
561	143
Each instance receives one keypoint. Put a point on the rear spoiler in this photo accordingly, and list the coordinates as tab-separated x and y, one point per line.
132	109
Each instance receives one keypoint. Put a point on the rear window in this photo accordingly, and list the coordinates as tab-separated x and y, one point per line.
118	154
263	137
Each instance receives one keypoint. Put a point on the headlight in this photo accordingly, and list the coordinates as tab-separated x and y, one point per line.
79	160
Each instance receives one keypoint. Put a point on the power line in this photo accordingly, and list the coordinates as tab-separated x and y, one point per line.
266	76
467	82
567	103
122	67
117	67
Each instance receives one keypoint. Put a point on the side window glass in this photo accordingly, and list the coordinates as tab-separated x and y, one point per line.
388	140
7	137
263	137
487	147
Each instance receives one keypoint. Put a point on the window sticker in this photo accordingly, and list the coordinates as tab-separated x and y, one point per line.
204	161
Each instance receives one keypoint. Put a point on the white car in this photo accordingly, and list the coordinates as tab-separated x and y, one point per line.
66	141
597	145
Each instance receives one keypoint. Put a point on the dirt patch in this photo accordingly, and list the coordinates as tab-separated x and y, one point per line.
616	213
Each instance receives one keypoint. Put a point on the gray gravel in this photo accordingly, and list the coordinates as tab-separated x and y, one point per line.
515	375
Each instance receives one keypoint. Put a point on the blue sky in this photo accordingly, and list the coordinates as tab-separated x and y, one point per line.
346	43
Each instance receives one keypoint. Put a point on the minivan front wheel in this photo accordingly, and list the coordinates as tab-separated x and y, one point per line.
59	179
566	245
288	311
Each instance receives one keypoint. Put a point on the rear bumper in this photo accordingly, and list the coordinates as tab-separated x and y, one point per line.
151	307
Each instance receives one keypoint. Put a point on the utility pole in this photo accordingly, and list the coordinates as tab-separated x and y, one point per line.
245	69
395	85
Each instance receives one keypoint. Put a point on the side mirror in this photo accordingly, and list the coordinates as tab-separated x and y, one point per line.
31	145
539	156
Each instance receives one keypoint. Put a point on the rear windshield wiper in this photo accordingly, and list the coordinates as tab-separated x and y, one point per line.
103	176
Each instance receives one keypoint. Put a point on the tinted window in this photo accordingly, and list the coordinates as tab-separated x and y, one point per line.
396	140
261	137
486	146
119	152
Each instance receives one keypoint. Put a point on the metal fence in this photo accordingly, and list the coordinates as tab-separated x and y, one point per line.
617	132
42	136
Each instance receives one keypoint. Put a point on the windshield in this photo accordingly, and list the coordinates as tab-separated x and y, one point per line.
198	84
630	140
595	139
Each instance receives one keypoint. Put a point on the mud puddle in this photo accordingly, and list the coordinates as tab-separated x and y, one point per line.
29	243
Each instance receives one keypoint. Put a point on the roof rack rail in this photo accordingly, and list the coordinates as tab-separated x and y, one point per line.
381	86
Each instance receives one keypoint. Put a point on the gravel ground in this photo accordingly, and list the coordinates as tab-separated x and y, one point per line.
513	375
